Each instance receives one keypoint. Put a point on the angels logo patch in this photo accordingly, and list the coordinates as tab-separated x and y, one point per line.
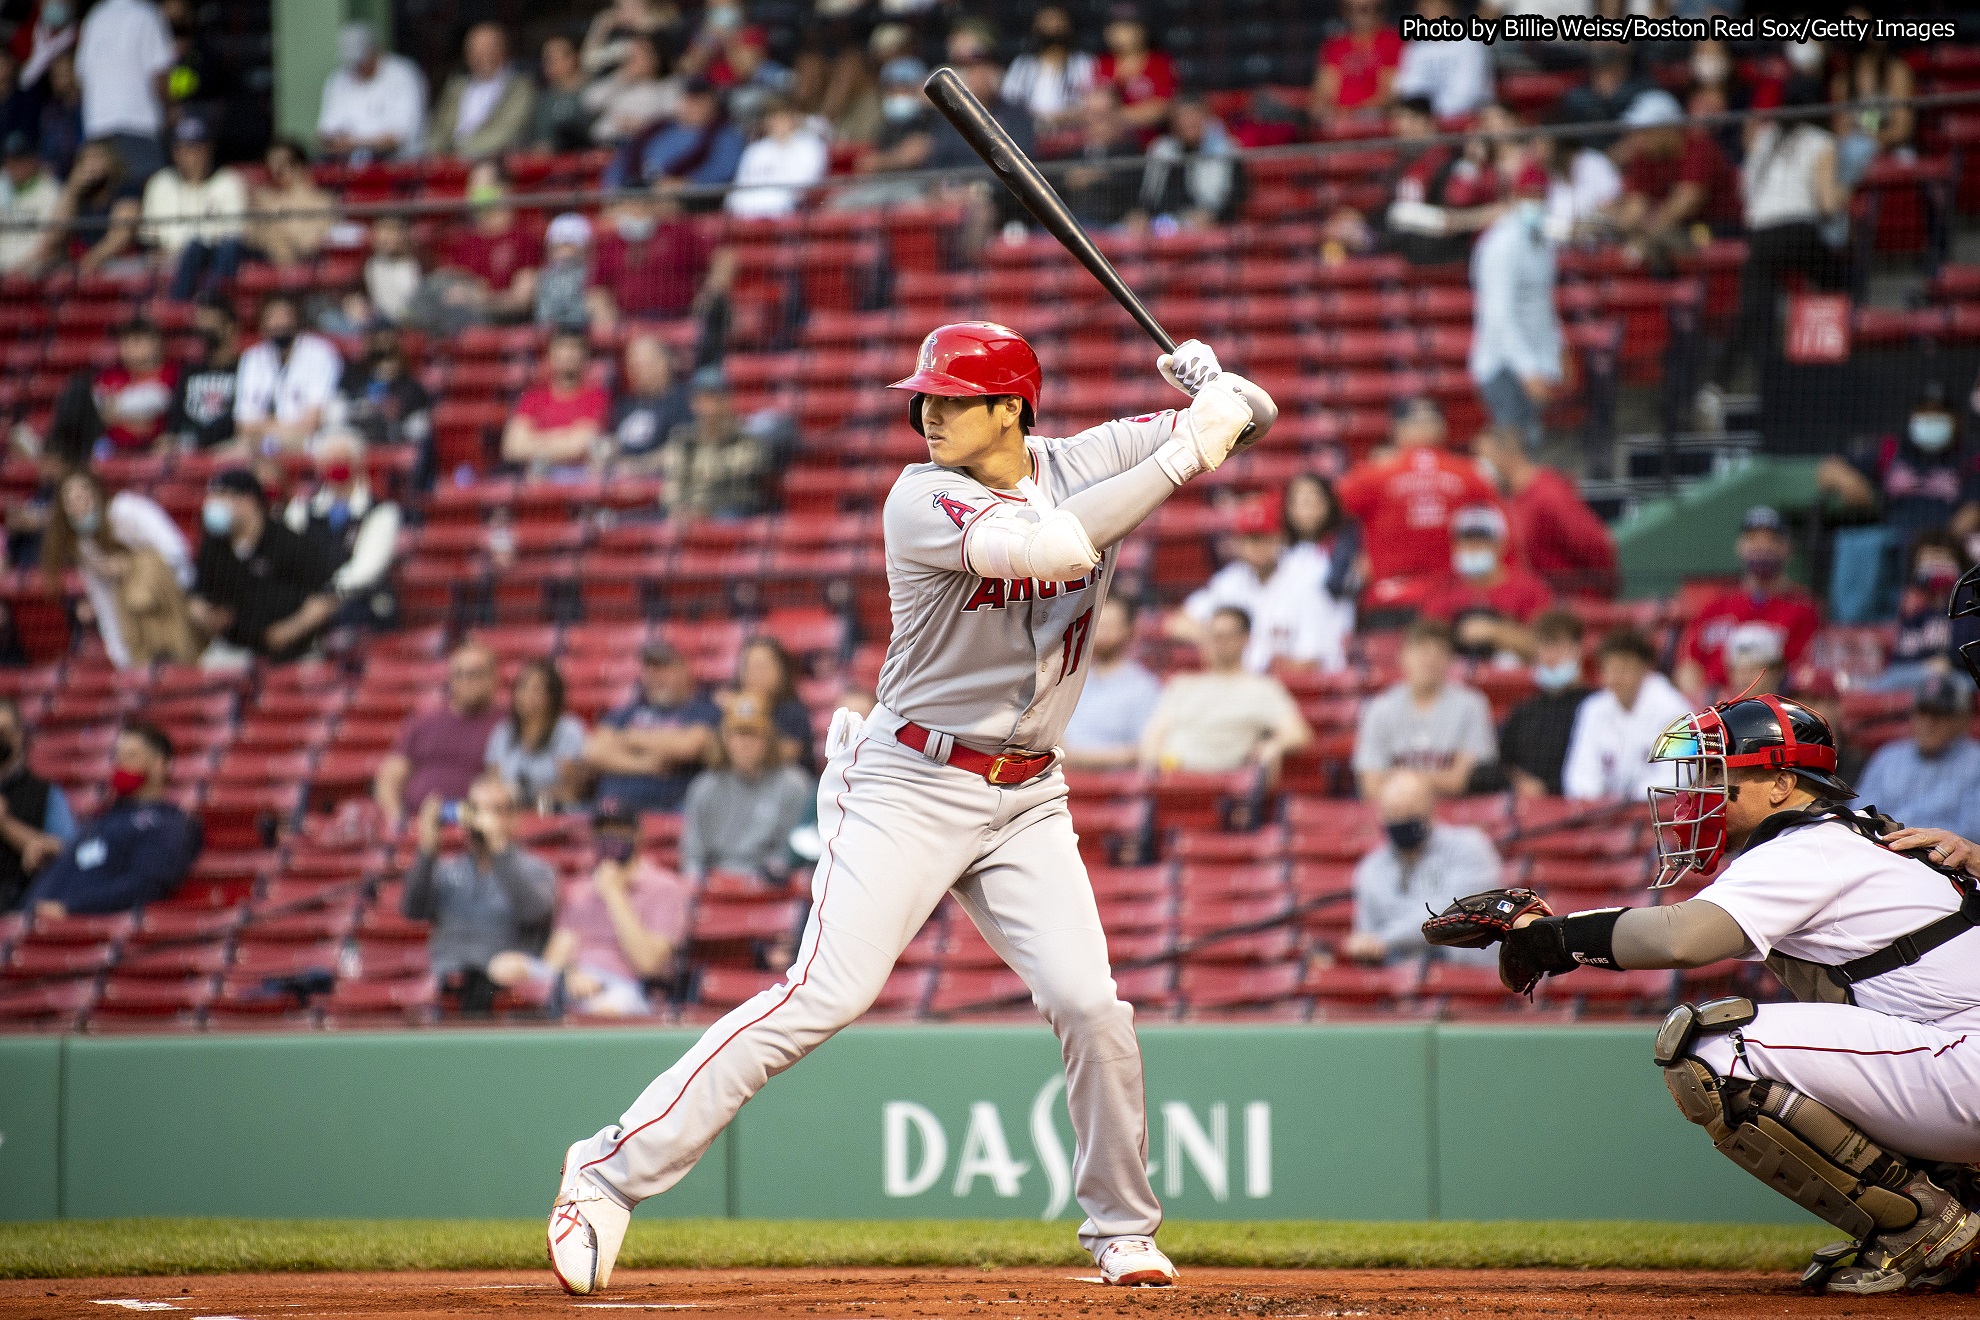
959	513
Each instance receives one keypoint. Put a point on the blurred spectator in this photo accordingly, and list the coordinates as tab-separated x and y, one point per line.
1356	74
441	751
655	263
1618	726
1764	595
1051	76
1923	478
650	405
202	415
905	140
61	127
1405	503
1872	71
1143	80
536	748
374	103
739	813
561	121
28	197
746	75
558	424
292	216
565	276
1487	601
1098	183
1753	660
1225	717
1428	722
1106	727
1554	532
489	268
634	98
96	217
1422	862
1932	778
258	587
767	675
1455	75
1194	175
1317	529
623	926
134	397
392	272
1515	334
1612	88
644	755
777	168
135	568
16	106
1442	192
1675	178
609	40
347	525
39	43
712	465
1533	742
122	55
382	400
1791	193
287	381
494	898
1926	638
484	109
137	850
35	821
1284	595
700	145
974	189
1582	183
196	215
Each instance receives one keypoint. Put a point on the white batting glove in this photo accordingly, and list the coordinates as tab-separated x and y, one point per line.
1207	431
1192	366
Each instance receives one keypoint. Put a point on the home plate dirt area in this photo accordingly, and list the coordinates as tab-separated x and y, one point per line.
1008	1294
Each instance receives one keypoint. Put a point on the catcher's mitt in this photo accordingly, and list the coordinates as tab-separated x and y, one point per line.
1478	920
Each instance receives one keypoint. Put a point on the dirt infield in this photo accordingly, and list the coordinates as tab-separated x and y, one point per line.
1008	1294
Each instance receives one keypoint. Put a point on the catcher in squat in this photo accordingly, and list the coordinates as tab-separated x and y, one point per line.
1860	1102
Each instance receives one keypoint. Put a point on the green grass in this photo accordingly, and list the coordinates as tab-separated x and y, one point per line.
74	1248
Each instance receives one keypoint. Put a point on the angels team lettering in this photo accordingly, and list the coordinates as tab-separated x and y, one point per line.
999	593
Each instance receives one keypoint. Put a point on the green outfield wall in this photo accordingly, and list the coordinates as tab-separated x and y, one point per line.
1403	1122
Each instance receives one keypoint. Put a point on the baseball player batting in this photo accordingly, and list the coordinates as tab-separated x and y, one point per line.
999	555
1861	1102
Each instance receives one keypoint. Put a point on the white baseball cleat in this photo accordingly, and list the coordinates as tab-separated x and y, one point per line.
1135	1262
586	1230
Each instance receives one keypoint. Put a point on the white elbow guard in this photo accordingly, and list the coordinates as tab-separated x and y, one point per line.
1006	543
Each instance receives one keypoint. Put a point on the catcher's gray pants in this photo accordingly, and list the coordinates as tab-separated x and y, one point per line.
899	832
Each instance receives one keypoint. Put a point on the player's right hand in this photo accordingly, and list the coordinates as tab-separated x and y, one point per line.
1192	366
1941	847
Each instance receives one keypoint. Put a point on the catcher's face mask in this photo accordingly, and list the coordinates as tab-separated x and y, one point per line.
1690	818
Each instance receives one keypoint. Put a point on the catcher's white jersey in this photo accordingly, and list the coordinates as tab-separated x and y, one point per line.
996	663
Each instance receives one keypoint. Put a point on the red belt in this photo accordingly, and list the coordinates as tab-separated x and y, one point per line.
1005	771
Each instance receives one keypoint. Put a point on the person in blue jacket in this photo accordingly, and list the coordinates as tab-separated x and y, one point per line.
137	850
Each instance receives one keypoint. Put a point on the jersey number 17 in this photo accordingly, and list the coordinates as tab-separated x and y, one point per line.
1073	651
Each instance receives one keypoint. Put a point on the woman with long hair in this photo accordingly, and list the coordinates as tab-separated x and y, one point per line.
766	672
532	748
135	568
1316	525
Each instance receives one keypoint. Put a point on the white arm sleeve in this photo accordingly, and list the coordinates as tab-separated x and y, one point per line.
1012	542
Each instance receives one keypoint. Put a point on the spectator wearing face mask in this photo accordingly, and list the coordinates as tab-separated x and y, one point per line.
654	264
1871	71
906	140
1926	477
1927	640
1049	78
1764	595
1422	862
258	587
137	850
1533	742
287	382
1515	335
1608	753
1486	600
346	524
1292	616
135	568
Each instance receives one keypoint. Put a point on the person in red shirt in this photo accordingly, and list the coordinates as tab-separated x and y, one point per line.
1487	600
653	263
1674	177
1554	532
498	257
1764	595
1143	79
1405	503
558	426
1357	69
134	398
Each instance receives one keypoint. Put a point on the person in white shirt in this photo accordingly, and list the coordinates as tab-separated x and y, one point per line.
286	382
122	55
1292	616
1455	76
1049	80
374	104
353	528
28	193
1582	184
1608	753
777	167
1106	727
195	215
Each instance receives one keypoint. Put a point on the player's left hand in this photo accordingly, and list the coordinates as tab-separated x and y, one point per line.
1941	847
1192	366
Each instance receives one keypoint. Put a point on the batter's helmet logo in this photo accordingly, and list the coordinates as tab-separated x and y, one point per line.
959	513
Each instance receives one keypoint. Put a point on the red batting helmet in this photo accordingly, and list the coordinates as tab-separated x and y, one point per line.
973	359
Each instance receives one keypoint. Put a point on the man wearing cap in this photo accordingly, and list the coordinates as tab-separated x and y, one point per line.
374	103
194	214
257	585
286	382
563	284
645	754
1673	178
1553	531
558	424
1487	600
1931	780
654	263
712	466
1764	595
1515	335
28	193
1292	615
739	813
123	54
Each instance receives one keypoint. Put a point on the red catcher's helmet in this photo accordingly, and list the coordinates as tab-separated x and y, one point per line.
1765	732
973	359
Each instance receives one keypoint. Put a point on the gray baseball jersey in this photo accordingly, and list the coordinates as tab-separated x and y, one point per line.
997	664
